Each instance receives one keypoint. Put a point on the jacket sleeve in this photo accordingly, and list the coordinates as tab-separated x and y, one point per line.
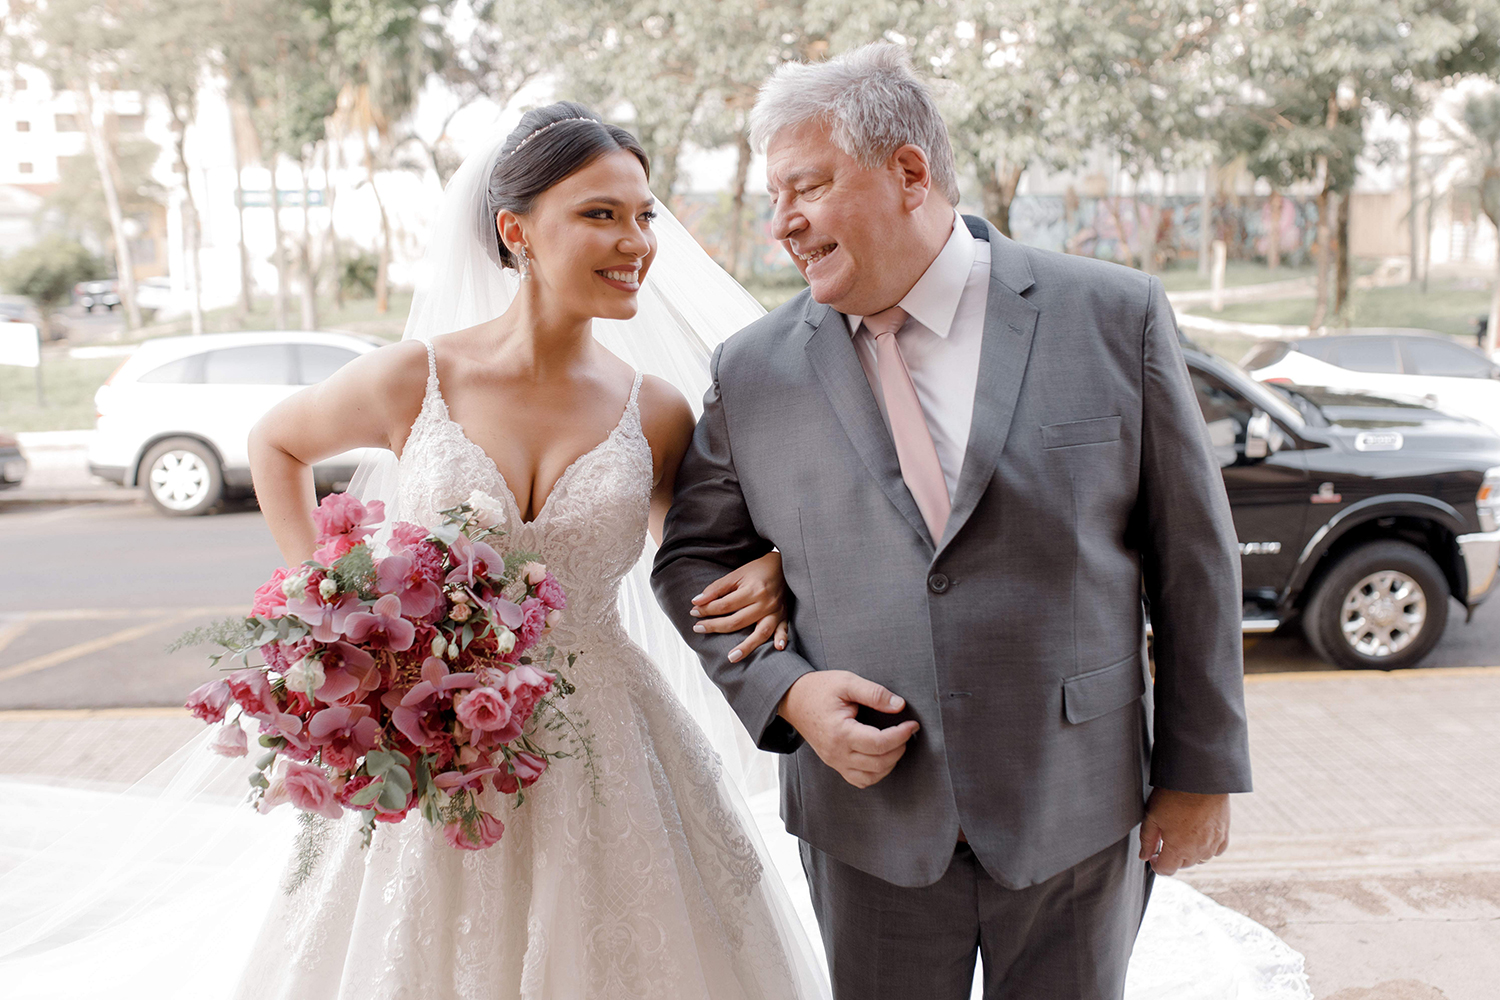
1190	560
708	532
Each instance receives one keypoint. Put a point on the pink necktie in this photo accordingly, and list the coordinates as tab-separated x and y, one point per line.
914	448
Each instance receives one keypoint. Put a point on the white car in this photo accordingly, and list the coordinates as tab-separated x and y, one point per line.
1427	366
176	416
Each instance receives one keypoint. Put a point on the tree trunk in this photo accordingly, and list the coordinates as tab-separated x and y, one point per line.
190	236
737	222
247	295
1325	259
998	185
335	253
1492	331
278	256
309	272
1342	305
105	162
1205	220
1273	233
1411	192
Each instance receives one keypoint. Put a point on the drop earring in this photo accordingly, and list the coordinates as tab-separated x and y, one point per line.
525	265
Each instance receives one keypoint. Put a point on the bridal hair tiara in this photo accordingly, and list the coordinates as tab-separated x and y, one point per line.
551	125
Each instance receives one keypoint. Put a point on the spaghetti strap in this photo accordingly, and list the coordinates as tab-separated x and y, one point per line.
635	391
432	376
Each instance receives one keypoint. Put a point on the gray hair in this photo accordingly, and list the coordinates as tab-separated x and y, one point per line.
873	103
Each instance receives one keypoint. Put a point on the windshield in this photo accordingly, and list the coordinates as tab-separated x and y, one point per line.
1276	405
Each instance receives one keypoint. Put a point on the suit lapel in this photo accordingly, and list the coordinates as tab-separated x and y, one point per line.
830	349
1009	324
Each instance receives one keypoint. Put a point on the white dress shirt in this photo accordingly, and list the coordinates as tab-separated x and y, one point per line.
940	343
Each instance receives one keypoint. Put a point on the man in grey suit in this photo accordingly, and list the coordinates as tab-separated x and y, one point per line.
973	458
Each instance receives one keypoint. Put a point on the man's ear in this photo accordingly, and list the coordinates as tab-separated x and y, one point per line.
915	175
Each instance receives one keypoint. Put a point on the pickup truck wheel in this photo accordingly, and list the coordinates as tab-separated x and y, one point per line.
182	477
1383	605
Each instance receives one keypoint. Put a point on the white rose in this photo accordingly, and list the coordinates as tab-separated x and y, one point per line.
505	640
306	675
487	511
534	573
328	588
294	587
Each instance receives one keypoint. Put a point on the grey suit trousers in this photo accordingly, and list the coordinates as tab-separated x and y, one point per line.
1067	938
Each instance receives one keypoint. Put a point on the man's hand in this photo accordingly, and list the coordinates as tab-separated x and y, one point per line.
1182	829
821	706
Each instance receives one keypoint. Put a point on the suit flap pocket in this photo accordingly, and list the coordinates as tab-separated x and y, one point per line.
1096	430
1100	692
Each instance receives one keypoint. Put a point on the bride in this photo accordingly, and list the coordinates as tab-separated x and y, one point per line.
551	285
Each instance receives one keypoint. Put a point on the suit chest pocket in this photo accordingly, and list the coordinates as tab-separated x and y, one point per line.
1075	433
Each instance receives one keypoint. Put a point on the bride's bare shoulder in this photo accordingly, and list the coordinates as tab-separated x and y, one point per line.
666	418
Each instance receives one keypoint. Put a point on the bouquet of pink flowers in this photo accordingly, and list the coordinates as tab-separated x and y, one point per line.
412	679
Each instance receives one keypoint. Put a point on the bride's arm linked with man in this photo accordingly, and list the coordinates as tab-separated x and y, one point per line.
973	456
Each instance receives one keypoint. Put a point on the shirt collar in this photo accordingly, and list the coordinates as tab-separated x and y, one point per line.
933	300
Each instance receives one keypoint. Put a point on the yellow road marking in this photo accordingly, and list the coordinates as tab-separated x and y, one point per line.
1411	674
30	714
10	633
98	645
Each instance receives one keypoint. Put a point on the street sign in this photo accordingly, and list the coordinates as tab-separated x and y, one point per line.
20	345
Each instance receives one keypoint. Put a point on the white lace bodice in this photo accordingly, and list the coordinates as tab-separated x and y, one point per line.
592	527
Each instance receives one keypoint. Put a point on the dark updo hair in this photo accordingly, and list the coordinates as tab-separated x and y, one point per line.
551	143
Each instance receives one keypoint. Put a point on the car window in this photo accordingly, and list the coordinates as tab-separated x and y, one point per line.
1264	355
183	371
270	364
1366	354
315	362
1436	357
1227	415
1318	347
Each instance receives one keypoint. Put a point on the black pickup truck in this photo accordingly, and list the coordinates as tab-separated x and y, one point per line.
1357	514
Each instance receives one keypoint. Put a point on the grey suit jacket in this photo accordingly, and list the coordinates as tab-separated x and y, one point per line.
1018	638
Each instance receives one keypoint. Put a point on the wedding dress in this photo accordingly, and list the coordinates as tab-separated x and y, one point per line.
628	875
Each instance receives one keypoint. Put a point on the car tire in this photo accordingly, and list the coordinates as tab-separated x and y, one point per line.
182	477
1382	606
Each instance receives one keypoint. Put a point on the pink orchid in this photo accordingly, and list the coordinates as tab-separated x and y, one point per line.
473	561
382	627
341	515
349	673
289	728
327	621
309	790
507	613
486	832
469	781
401	574
343	735
210	701
417	713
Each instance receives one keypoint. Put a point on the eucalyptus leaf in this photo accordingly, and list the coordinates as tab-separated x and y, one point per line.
366	795
392	798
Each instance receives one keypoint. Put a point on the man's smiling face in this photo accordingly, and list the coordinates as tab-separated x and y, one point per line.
841	223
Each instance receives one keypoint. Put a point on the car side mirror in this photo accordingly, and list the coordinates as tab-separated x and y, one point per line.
1262	437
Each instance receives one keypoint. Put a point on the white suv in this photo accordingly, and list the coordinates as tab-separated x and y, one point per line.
176	416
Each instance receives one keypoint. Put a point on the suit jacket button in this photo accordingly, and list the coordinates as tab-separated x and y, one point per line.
938	583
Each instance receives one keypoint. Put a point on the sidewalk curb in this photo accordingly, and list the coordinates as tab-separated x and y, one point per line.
27	498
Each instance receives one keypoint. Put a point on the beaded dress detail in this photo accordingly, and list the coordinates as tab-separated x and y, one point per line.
639	880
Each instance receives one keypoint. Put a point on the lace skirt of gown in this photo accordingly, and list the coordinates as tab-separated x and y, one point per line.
632	877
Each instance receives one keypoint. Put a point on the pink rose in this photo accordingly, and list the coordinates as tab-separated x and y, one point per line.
483	709
253	691
209	701
309	790
229	741
270	601
551	593
406	535
528	767
482	833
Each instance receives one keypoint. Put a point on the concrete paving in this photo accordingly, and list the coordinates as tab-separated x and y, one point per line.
1371	845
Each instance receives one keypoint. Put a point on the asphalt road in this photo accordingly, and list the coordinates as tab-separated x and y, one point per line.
91	595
